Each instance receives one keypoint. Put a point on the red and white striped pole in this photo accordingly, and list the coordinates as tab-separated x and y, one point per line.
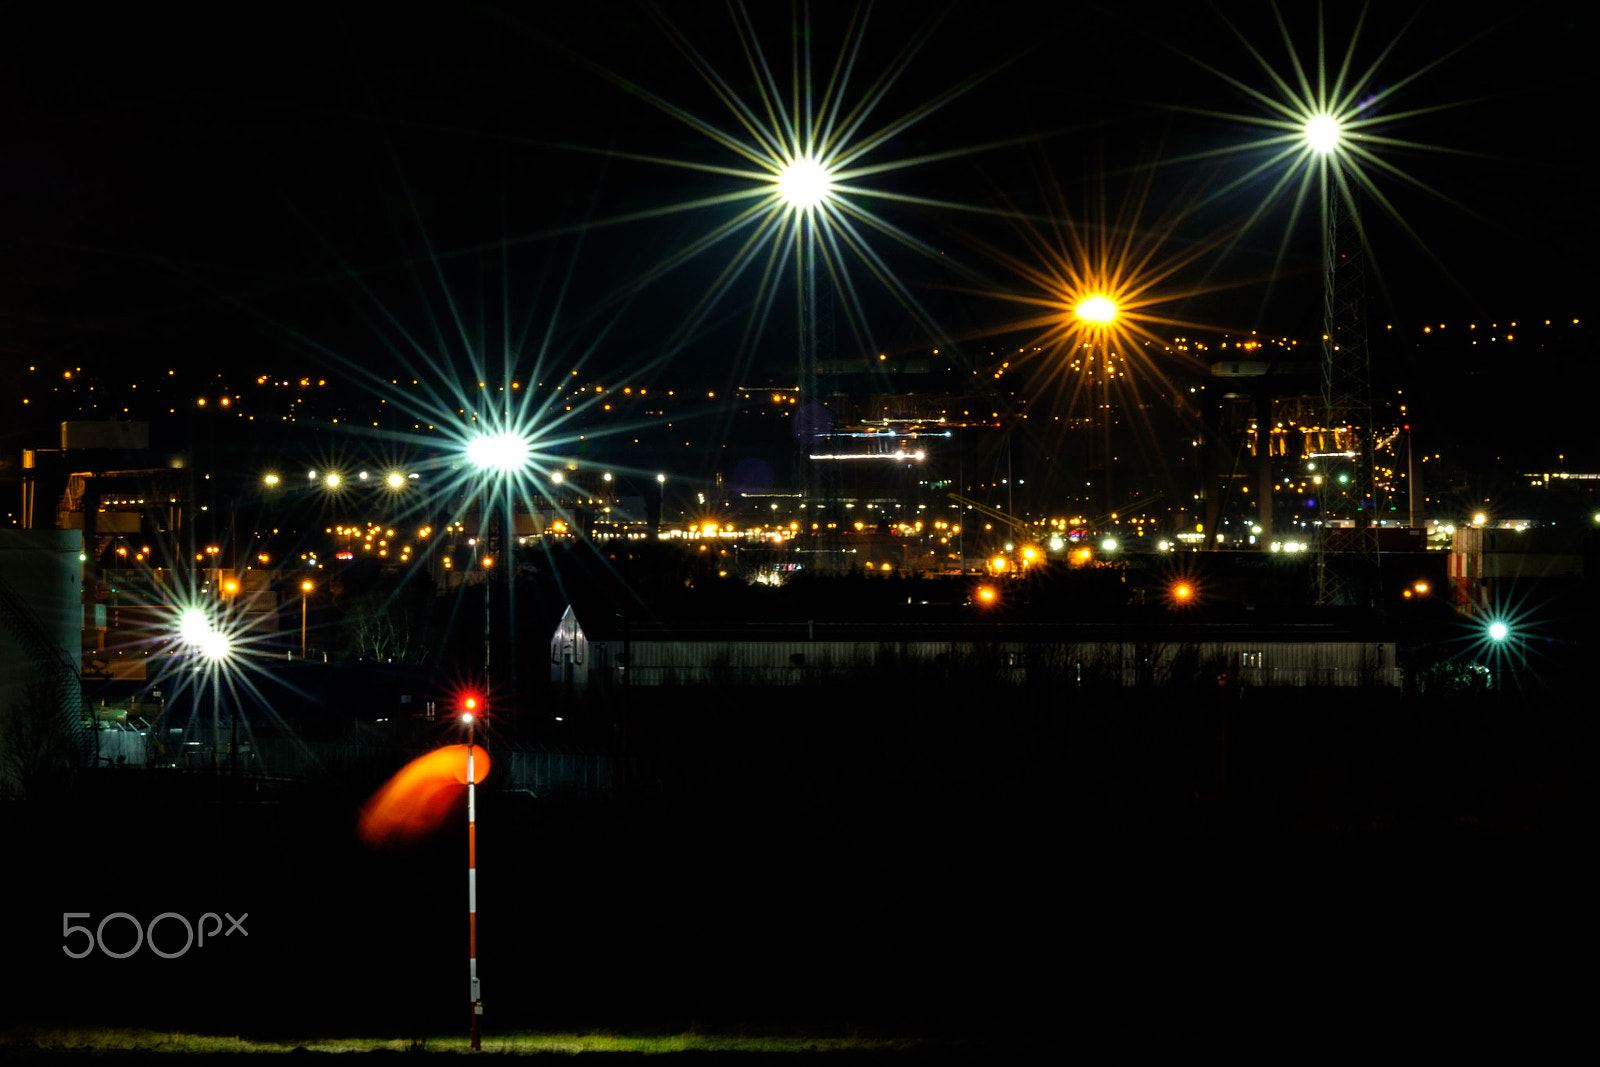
472	884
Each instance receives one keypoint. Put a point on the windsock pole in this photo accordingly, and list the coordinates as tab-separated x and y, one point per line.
472	892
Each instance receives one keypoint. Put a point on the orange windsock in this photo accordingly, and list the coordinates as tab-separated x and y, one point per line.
419	796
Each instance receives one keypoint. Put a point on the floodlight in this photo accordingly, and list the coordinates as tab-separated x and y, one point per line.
215	645
498	452
193	626
1096	309
804	183
1323	133
1499	631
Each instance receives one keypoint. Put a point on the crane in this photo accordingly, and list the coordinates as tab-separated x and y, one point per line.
1143	502
1020	525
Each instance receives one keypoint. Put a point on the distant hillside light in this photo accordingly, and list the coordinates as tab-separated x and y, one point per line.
804	183
1096	309
1322	133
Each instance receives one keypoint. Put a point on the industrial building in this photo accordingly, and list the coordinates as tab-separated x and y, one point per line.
613	652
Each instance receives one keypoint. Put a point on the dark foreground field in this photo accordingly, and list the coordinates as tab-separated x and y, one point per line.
1123	881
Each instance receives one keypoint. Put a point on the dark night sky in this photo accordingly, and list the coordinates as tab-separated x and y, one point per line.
205	189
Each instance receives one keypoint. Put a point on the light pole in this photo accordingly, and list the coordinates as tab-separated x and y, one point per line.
1097	317
805	185
199	631
492	454
1346	363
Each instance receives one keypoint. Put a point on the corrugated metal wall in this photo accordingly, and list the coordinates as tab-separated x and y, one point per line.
1124	663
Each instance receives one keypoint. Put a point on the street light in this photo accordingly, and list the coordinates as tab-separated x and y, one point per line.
199	632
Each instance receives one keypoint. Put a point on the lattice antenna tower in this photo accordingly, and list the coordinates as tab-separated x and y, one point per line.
1348	490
